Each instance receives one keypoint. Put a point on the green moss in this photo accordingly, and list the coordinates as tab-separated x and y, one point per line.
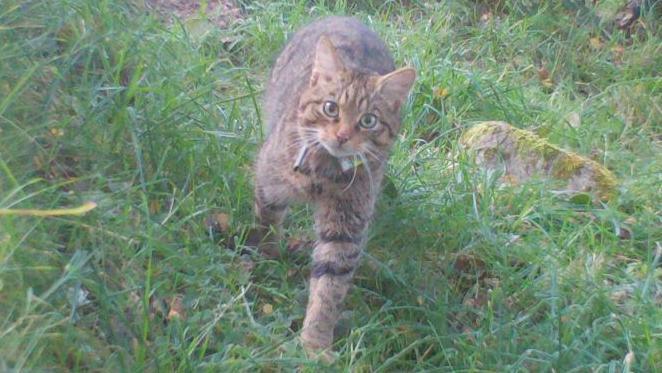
567	164
479	131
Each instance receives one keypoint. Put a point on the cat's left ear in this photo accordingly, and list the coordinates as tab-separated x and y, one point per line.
395	86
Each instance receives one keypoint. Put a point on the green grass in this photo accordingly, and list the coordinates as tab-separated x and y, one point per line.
101	101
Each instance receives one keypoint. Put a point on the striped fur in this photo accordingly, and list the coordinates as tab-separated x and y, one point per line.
335	59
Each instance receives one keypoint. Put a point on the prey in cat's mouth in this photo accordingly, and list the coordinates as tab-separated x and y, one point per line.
346	162
347	156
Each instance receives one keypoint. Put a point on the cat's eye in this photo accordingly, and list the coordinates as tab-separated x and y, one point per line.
368	121
331	109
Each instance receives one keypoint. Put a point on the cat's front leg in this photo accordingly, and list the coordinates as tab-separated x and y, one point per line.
340	227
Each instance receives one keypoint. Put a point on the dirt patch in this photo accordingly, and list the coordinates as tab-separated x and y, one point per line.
221	13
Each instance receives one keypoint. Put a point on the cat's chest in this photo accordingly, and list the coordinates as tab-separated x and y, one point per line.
312	185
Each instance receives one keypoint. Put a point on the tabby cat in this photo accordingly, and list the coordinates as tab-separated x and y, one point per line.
332	110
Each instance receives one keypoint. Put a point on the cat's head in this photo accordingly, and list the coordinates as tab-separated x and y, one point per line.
350	113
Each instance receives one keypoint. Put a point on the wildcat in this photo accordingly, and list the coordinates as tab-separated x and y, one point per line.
332	112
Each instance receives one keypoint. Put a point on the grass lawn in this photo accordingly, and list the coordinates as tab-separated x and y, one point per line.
158	123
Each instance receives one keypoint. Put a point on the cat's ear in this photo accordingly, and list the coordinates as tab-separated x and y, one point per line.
327	63
395	86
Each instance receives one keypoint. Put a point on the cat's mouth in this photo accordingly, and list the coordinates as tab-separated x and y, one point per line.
345	157
338	151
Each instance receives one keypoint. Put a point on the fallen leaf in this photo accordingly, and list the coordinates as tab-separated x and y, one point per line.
574	119
219	222
618	51
510	179
176	306
154	206
631	220
543	73
595	42
465	263
298	244
624	233
80	210
544	76
512	238
628	360
56	132
441	92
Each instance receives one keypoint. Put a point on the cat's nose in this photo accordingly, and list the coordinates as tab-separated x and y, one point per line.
342	137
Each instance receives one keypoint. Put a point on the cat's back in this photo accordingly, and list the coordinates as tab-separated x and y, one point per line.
360	48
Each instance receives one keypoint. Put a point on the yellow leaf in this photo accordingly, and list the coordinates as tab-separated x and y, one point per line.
56	132
80	210
595	42
441	92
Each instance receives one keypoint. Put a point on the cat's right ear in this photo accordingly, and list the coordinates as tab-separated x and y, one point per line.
327	64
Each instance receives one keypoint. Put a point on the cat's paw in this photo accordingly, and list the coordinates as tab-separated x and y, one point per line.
265	243
324	355
296	245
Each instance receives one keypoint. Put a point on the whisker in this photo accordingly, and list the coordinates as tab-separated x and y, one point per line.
367	168
353	175
369	150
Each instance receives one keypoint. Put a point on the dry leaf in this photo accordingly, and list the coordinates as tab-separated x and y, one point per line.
465	263
595	42
544	76
628	360
154	206
618	51
624	233
56	132
441	92
219	222
298	244
176	305
574	119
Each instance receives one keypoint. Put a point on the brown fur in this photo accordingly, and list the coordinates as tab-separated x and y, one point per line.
336	59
